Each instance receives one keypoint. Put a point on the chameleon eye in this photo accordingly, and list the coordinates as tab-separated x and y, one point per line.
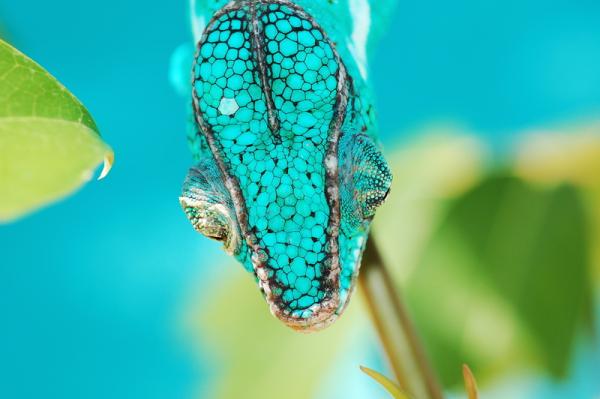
208	206
207	219
365	180
372	177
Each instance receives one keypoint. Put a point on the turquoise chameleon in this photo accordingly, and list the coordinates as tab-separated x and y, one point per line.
289	170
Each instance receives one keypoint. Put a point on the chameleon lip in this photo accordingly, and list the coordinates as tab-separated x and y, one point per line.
325	312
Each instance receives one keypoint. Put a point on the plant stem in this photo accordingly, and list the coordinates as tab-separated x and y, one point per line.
397	334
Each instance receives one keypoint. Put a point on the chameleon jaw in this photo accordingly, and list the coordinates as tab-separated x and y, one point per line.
322	314
317	317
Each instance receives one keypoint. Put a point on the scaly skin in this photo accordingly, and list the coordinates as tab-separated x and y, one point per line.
289	172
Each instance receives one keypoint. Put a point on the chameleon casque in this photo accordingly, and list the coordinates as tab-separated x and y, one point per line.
289	171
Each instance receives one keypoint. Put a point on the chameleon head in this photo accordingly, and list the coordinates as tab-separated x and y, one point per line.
289	175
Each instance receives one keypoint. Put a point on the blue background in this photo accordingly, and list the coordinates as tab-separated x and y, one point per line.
91	288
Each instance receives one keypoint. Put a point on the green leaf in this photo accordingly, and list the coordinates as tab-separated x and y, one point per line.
569	153
49	143
388	384
440	251
504	282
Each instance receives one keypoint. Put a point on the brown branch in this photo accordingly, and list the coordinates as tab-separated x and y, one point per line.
398	337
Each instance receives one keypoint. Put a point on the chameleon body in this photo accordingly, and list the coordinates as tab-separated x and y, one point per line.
289	170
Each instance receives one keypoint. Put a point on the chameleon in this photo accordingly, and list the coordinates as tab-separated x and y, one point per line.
289	170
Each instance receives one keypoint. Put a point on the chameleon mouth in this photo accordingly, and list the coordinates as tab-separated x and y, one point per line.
258	28
314	318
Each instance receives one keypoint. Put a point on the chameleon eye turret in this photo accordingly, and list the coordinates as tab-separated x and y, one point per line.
290	172
208	205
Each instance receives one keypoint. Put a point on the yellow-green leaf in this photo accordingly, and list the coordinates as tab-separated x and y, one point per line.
49	143
390	386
